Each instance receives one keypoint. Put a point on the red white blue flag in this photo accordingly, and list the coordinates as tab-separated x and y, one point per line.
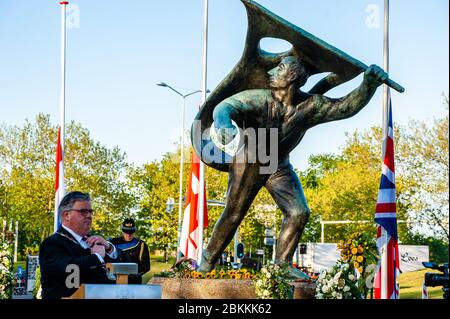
386	218
60	189
190	233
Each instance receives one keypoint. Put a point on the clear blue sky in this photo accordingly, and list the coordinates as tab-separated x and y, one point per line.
118	50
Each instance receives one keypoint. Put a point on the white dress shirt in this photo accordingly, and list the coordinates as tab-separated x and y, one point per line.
85	245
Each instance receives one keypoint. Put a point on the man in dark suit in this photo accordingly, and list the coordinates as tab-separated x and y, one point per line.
70	257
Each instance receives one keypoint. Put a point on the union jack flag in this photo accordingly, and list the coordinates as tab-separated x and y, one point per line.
386	218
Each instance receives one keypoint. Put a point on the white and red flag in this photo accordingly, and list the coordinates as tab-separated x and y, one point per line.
190	245
386	218
60	189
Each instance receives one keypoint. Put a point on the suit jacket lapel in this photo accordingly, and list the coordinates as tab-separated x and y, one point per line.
72	239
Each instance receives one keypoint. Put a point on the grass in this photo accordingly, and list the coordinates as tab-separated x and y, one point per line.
156	266
411	285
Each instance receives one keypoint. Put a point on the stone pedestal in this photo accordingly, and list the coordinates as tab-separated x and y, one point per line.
187	288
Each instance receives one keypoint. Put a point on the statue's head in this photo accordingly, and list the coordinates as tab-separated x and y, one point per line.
290	70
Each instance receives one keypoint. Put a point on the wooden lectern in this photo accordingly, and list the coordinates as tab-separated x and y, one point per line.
121	271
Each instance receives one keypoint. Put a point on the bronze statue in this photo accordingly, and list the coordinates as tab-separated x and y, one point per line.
262	94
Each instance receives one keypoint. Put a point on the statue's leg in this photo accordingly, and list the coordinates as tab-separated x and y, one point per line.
243	185
286	190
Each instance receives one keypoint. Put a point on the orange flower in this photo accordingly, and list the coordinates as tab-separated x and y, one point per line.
360	249
360	269
354	250
360	259
356	264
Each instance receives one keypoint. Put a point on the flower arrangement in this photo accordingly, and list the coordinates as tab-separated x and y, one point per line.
272	282
7	277
186	268
360	251
340	282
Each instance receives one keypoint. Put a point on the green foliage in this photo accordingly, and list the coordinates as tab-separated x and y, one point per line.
153	184
346	188
37	284
425	158
27	178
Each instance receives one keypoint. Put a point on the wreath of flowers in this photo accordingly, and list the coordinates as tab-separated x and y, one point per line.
340	282
273	283
360	251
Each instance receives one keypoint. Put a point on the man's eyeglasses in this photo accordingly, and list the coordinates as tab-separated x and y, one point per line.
83	212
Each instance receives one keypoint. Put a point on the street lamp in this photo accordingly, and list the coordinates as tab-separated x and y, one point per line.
180	203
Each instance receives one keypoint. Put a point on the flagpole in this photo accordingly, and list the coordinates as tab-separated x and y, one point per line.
384	235
63	72
201	194
62	100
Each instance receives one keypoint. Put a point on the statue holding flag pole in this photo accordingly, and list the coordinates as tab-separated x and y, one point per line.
261	97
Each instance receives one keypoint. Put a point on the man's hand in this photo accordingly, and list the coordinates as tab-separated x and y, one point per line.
227	134
99	249
97	240
375	75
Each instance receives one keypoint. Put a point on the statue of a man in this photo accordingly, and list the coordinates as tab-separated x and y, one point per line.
292	112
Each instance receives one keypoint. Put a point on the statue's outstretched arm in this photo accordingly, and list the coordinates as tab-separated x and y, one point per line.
327	109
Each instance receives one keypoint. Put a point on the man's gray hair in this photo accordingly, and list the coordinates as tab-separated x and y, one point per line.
70	199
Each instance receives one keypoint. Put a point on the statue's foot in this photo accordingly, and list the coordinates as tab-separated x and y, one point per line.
294	273
205	265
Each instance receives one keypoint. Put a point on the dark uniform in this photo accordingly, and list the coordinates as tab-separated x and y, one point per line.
61	250
134	251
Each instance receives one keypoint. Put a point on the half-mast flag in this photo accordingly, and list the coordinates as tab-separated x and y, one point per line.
386	218
190	232
59	183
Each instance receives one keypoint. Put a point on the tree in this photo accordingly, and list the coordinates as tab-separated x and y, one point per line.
345	187
425	156
27	178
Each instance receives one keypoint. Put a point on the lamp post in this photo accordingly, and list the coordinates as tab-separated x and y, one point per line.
180	204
